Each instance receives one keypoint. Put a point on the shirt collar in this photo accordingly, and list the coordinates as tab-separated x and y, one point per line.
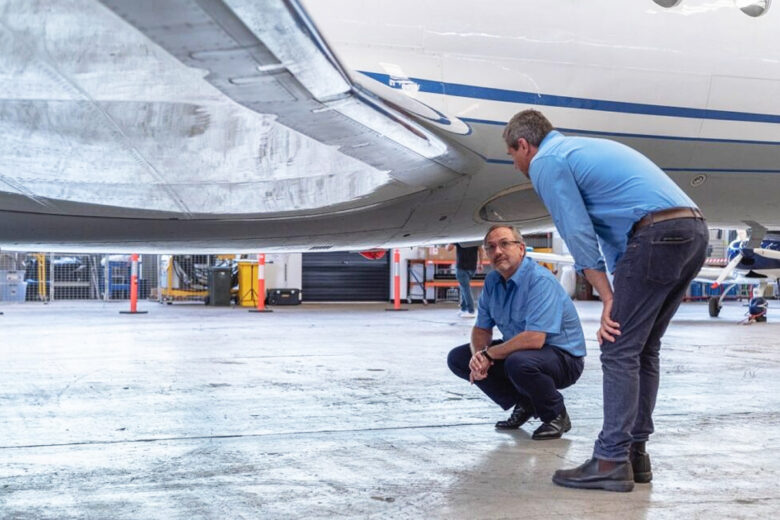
549	139
524	266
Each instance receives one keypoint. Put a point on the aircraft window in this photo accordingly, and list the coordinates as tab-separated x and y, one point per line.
753	8
667	3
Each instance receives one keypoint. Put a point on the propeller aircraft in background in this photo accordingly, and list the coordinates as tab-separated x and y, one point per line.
755	262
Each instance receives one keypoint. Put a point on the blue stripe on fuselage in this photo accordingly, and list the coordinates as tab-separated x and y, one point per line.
531	98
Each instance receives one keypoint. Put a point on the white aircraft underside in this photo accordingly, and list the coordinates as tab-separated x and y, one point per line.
244	125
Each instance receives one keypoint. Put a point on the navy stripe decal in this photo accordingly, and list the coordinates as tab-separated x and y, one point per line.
514	96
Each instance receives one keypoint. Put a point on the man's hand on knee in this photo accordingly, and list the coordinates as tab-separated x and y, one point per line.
479	366
609	328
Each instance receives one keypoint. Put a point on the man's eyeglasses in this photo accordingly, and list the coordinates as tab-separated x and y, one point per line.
504	244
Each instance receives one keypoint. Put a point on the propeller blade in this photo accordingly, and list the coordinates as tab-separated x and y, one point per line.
768	253
727	271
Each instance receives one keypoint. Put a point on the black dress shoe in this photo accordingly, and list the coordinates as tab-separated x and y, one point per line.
640	463
518	418
588	476
553	429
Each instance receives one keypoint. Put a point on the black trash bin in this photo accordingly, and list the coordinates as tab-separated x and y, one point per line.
220	280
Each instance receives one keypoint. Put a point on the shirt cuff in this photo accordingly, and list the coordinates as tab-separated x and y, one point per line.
484	323
600	266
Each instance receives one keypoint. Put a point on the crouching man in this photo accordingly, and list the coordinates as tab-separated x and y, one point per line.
542	349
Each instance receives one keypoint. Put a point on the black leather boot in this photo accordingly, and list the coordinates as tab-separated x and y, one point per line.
519	416
553	429
619	476
640	463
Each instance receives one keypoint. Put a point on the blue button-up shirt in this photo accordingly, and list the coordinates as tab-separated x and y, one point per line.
595	190
531	300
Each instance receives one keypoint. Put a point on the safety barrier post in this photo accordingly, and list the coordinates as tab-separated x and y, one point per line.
133	288
396	282
40	259
260	285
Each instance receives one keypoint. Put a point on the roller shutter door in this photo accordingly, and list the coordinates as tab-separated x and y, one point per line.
345	277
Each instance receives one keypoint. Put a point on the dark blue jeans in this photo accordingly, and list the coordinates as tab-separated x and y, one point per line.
650	281
464	277
529	377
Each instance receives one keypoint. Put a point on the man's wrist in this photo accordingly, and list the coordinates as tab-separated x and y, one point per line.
485	353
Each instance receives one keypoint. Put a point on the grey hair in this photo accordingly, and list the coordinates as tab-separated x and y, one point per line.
530	125
513	229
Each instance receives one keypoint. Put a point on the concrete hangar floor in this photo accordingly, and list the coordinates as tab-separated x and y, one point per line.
348	411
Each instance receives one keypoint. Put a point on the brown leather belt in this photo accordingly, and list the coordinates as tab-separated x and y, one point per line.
666	214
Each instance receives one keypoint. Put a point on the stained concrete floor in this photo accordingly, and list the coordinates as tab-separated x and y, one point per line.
348	411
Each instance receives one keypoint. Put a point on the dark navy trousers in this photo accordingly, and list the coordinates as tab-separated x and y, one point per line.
650	281
529	377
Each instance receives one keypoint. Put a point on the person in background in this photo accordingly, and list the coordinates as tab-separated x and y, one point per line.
466	262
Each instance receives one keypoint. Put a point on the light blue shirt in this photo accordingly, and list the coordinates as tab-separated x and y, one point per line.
595	190
531	300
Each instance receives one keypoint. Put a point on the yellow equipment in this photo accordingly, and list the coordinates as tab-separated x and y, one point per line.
169	294
247	283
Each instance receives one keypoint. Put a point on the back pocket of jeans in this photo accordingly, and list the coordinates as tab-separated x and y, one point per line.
668	255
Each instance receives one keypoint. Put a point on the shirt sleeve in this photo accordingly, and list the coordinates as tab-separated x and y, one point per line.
484	318
545	307
554	182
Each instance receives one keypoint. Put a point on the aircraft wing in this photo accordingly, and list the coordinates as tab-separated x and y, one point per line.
551	258
268	56
143	122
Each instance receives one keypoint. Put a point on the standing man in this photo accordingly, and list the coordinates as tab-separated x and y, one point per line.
654	239
542	348
466	261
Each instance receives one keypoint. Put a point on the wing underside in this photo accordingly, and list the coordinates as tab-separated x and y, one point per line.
195	113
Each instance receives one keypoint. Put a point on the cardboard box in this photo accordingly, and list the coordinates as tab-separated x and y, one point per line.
440	253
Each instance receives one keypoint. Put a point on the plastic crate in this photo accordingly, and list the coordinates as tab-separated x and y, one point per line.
13	292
